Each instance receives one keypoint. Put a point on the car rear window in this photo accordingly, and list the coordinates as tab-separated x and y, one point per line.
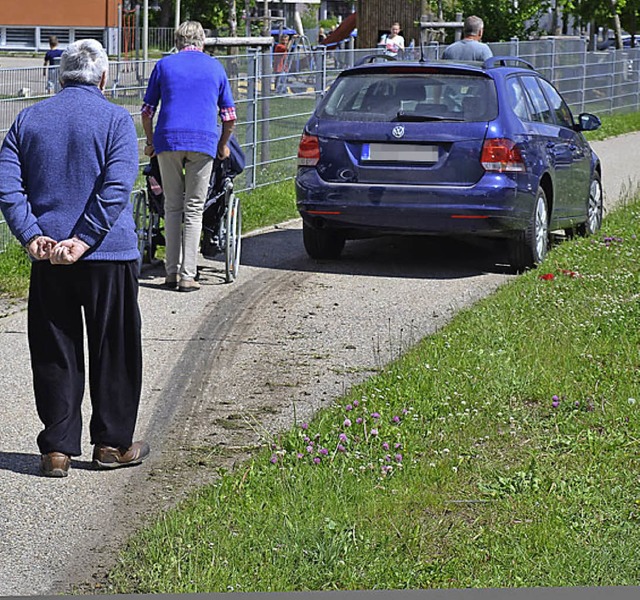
386	96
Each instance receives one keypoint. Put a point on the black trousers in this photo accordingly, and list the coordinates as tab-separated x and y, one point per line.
106	294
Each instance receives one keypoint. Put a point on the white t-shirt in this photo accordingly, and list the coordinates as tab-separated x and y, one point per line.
392	45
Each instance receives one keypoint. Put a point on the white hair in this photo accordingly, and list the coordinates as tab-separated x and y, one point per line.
83	61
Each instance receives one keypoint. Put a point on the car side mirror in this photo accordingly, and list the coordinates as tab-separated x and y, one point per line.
588	122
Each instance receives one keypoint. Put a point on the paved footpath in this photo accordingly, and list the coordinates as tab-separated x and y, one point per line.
48	525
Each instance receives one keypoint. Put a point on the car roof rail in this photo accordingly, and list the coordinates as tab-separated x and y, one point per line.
501	61
372	58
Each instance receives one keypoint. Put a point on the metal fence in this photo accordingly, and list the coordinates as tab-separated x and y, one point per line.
272	109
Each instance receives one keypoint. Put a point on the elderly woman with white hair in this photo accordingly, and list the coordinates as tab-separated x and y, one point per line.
191	89
67	168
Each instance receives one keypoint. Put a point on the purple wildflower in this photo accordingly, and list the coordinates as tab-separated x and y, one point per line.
374	432
385	446
347	423
397	446
323	451
304	425
300	455
309	449
355	403
274	459
398	457
375	415
396	419
343	437
348	407
341	448
359	420
317	460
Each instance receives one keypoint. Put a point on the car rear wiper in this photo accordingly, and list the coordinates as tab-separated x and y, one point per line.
401	116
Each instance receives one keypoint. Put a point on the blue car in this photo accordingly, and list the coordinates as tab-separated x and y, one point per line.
447	149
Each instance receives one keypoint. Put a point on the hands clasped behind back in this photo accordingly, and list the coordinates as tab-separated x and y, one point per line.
65	252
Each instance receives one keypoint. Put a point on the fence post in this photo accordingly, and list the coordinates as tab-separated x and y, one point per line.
585	57
252	114
613	79
636	66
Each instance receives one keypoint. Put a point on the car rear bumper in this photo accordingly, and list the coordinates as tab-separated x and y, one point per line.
494	206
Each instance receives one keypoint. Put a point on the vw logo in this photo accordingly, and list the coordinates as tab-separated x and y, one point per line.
398	131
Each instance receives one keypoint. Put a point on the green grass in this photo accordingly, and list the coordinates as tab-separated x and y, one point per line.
268	205
494	485
14	272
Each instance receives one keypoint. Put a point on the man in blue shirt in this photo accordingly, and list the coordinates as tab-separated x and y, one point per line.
67	167
470	47
51	61
192	89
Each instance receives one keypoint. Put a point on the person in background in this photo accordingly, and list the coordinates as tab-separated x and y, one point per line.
280	62
192	89
50	61
471	47
392	42
67	168
322	36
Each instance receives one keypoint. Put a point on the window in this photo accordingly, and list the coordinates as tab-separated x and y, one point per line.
388	96
558	105
541	108
518	99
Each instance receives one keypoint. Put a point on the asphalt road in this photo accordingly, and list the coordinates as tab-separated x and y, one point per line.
284	340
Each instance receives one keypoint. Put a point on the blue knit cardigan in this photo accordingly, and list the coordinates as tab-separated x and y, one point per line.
67	168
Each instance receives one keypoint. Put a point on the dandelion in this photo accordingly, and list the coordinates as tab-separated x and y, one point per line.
317	460
274	459
343	438
374	432
304	426
347	423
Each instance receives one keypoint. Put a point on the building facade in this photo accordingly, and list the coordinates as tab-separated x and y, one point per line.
27	24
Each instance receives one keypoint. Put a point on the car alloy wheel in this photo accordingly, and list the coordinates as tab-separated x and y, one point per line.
594	209
530	247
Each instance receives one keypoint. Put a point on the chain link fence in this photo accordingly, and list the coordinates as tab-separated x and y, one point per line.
273	107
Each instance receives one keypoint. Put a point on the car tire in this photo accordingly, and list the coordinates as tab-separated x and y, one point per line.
595	208
322	243
530	247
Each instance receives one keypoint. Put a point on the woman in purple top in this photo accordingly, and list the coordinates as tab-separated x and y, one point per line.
192	89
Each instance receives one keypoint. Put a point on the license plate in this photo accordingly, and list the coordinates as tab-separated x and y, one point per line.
417	153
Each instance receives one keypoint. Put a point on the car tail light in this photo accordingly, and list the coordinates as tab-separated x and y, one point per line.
501	155
308	151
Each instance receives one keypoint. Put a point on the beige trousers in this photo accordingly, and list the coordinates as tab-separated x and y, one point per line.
185	181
